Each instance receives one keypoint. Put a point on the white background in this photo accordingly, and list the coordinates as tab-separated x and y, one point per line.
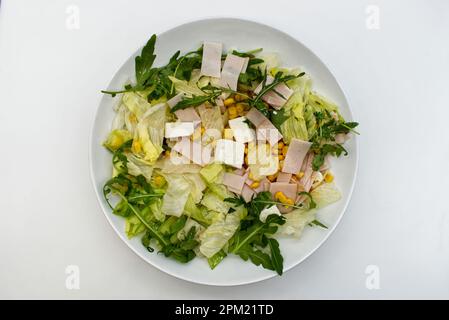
396	79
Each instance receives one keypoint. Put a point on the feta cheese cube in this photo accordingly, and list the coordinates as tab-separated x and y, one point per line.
229	152
178	129
242	132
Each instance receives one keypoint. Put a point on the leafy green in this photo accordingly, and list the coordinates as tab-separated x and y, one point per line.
318	223
116	138
195	101
321	152
277	260
216	259
312	203
278	117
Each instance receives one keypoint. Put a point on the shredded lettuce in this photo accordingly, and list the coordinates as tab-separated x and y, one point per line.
116	138
212	172
185	87
217	235
136	104
296	221
149	134
214	202
325	194
175	197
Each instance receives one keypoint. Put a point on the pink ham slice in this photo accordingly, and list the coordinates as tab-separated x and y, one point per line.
272	98
284	177
231	70
296	153
211	62
288	189
266	131
234	182
247	193
256	117
175	100
194	151
188	115
306	179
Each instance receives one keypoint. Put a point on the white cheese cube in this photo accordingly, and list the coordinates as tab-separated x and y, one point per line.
179	129
229	152
242	132
269	211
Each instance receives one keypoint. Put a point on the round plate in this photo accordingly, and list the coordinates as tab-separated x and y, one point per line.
244	35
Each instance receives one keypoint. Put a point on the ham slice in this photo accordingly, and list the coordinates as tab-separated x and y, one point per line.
256	117
271	97
234	182
296	153
288	189
194	151
266	131
307	180
231	70
188	115
175	100
284	177
247	193
211	62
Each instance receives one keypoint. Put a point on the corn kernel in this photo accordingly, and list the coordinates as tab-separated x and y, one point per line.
246	150
246	160
228	134
288	201
239	107
229	101
255	184
284	150
328	177
137	147
272	177
280	145
159	181
278	195
299	175
281	157
203	130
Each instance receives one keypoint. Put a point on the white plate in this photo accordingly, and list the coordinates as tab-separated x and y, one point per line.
244	35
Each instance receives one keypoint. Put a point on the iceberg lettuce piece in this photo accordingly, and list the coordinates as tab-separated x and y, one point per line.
149	134
214	202
136	104
116	138
176	195
185	87
212	172
296	221
137	166
217	235
325	194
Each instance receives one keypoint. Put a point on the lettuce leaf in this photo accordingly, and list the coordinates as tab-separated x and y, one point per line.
185	87
176	195
149	134
212	172
136	104
214	202
116	138
296	221
325	194
217	235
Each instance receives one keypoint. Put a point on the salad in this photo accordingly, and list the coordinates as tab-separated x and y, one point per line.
220	153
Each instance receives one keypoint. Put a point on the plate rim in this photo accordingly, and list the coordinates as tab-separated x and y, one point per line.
263	277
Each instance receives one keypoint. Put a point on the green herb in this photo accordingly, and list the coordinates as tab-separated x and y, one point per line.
253	234
318	223
278	117
196	101
312	203
332	149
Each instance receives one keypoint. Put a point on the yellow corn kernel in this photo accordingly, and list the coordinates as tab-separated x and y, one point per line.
280	145
278	195
229	101
133	118
240	107
284	150
328	177
281	157
232	110
288	201
246	160
137	147
228	134
299	175
202	130
167	153
272	177
255	184
281	164
246	149
159	181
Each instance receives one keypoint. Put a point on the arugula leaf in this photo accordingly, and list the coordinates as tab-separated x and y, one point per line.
276	257
312	203
332	149
278	117
216	259
144	62
278	79
196	101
